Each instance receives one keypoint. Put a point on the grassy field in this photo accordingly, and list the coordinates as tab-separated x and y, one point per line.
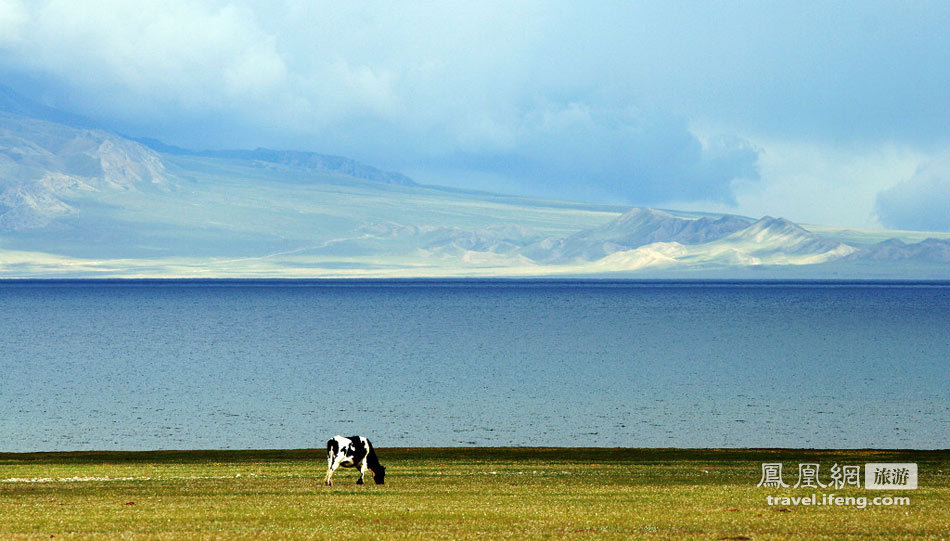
454	493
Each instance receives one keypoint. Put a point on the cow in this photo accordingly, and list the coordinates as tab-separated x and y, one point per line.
353	452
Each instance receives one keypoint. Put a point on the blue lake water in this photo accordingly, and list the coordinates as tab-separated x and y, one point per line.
175	365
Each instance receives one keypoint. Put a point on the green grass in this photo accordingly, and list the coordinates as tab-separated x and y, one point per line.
453	493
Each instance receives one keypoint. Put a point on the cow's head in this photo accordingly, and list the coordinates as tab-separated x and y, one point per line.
379	474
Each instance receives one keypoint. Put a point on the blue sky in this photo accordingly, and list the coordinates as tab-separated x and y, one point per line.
822	112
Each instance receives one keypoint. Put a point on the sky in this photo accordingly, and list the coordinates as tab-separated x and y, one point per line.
834	113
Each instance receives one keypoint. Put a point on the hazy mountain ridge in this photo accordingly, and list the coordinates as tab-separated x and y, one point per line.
636	227
766	242
929	250
780	234
293	158
82	201
49	158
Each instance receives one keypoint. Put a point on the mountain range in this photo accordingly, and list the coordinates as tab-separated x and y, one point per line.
78	200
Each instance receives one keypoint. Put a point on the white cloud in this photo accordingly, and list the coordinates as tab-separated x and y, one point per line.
194	55
342	89
819	183
13	18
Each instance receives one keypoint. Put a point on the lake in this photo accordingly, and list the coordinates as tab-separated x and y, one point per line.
242	364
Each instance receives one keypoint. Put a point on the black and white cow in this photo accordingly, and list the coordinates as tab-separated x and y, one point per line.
353	452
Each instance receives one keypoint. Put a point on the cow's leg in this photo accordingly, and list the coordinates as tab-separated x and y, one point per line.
362	467
326	479
333	462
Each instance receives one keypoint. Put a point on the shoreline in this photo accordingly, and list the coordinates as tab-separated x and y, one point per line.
494	452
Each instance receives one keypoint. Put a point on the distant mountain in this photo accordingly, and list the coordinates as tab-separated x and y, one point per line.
311	161
767	242
636	227
652	256
926	251
640	226
48	156
780	234
45	164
